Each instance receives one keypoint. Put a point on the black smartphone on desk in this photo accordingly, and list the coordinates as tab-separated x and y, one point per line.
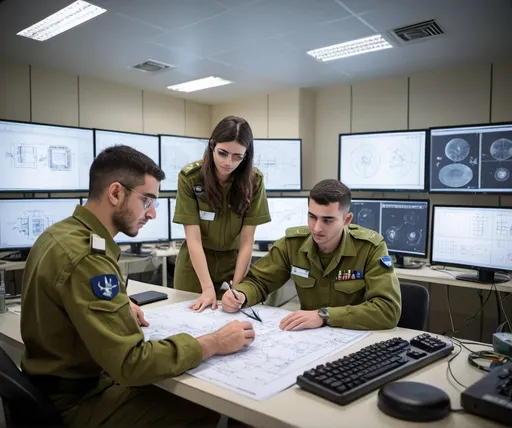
147	297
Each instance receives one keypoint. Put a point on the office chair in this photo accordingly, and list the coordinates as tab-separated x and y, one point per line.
23	404
415	306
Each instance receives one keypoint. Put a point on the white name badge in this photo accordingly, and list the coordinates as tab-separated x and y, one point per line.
205	215
300	272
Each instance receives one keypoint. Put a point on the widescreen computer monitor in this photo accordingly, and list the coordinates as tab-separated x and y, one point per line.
44	158
176	152
23	220
280	161
402	223
471	159
383	161
177	229
144	143
285	212
154	231
475	238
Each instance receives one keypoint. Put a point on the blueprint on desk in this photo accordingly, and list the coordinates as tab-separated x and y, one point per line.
266	367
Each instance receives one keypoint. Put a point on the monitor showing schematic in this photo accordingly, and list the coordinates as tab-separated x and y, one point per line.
177	229
383	161
471	159
44	158
147	144
177	152
280	163
402	223
285	213
23	220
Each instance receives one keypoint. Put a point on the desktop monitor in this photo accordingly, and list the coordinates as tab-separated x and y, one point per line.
23	220
280	161
177	152
383	161
177	229
44	158
402	223
475	238
471	159
144	143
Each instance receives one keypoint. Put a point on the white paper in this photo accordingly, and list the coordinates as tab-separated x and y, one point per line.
266	367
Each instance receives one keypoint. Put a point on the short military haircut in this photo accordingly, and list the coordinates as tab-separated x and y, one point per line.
329	191
123	164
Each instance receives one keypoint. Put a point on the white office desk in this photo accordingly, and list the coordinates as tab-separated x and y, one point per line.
296	407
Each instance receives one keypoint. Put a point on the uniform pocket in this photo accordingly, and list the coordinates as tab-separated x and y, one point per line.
349	292
350	286
302	282
116	316
306	291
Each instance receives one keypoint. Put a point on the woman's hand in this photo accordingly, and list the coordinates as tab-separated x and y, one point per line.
208	298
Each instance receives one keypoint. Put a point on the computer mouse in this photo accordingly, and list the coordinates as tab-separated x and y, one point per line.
414	401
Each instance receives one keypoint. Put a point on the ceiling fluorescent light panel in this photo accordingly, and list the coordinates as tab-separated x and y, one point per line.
69	17
199	84
354	47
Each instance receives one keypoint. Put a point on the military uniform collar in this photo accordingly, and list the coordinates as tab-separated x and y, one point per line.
90	221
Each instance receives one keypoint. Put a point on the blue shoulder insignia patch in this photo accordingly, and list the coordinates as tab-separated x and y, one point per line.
105	287
386	261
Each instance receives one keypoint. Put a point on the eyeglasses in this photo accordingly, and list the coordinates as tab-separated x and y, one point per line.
235	156
146	200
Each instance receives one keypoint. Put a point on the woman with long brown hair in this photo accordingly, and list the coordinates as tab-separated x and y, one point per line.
220	200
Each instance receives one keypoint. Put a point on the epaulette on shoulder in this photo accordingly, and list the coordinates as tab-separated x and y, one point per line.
297	232
191	167
256	172
364	234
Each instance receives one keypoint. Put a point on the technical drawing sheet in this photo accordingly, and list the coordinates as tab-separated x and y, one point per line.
266	367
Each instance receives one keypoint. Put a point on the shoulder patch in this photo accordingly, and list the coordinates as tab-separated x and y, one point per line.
386	261
297	232
105	287
191	167
364	234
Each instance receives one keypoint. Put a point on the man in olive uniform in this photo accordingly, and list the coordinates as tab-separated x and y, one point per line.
343	273
83	344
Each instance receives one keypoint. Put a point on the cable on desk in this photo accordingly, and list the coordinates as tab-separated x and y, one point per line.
449	306
501	304
449	371
450	334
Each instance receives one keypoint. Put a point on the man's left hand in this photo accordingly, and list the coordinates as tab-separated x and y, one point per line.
138	314
301	320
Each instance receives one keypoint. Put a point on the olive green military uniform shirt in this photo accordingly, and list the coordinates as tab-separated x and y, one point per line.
358	288
220	231
76	320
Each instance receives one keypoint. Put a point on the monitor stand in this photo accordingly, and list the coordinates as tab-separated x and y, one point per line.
136	251
18	256
483	276
411	264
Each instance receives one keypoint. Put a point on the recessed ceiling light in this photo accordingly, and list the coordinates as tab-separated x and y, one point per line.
354	47
199	84
75	14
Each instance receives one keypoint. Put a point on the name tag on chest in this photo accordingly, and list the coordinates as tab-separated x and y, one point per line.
300	272
205	215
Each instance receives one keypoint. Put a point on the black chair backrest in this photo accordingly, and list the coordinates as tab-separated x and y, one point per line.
24	405
415	306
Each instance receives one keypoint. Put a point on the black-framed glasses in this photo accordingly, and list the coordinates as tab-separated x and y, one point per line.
235	156
146	200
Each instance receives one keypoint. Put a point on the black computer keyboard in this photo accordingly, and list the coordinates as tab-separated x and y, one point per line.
346	379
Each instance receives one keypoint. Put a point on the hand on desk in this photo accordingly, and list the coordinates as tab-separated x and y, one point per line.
301	320
207	298
234	336
232	301
138	314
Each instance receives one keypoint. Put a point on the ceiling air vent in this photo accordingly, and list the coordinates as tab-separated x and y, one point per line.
152	66
416	32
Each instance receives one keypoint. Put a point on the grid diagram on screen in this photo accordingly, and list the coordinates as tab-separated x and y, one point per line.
471	159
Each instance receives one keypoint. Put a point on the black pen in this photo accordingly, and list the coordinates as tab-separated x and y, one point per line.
254	316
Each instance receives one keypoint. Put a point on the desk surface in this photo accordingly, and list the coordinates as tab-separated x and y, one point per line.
296	407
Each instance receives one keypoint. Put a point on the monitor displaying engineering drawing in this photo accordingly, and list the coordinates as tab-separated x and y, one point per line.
44	158
176	152
177	230
473	237
402	223
475	159
144	143
383	161
23	220
285	212
280	162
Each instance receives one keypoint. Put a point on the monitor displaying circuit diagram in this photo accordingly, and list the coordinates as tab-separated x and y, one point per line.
471	159
144	143
390	161
44	158
177	229
177	152
280	162
473	237
402	223
23	220
285	212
